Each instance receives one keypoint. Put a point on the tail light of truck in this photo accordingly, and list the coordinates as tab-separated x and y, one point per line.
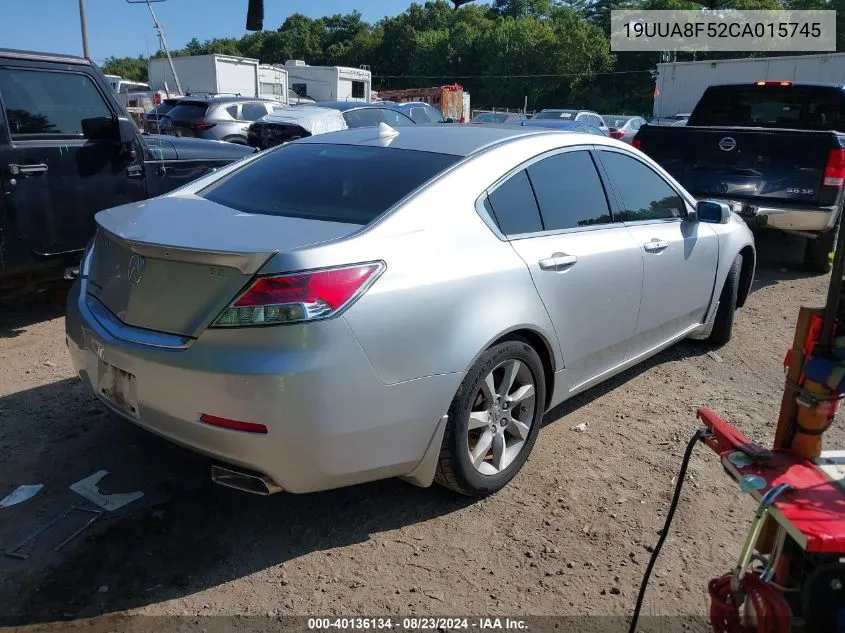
785	84
636	142
834	170
303	296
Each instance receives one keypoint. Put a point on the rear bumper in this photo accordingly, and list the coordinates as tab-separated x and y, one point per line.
809	219
331	422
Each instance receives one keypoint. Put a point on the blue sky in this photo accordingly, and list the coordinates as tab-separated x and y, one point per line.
120	29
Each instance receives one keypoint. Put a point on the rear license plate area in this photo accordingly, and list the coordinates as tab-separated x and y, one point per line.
119	388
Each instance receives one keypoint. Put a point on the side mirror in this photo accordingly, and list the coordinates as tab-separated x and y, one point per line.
127	131
101	128
712	212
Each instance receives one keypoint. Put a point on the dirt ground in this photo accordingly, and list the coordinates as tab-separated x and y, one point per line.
571	535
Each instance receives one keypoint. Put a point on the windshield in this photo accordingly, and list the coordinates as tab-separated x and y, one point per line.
490	117
616	121
188	111
334	183
556	114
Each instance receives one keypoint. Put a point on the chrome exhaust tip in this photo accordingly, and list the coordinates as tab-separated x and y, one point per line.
244	480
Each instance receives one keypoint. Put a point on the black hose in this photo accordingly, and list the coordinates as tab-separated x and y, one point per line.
699	435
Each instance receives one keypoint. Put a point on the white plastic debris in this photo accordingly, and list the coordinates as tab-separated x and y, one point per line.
21	494
88	488
580	427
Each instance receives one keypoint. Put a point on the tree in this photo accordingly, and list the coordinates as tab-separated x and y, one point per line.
132	68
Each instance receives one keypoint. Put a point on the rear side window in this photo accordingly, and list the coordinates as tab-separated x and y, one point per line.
434	115
418	115
334	183
43	103
644	194
253	111
232	111
569	191
513	207
188	111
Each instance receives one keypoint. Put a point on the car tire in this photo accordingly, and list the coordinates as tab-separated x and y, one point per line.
817	252
479	414
724	321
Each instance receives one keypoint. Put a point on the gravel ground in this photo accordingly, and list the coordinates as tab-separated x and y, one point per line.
570	536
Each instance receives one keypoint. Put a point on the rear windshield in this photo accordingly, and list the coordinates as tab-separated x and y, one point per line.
616	121
795	107
490	118
188	111
335	183
556	114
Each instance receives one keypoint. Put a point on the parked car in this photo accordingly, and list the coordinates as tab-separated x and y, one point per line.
337	325
288	124
771	150
565	126
151	118
588	116
69	149
497	117
623	127
219	118
419	112
679	122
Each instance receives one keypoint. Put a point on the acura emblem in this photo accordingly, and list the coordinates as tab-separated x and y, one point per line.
727	143
137	265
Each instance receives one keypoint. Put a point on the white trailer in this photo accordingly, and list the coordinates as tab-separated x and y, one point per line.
220	74
681	84
329	83
273	83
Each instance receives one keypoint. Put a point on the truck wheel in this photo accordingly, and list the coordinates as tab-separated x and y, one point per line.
817	257
724	321
494	420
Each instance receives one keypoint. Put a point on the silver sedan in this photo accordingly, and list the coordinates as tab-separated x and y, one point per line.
396	303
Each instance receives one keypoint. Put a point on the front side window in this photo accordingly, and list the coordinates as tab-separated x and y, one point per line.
569	191
512	206
43	103
418	115
434	115
643	193
365	117
394	118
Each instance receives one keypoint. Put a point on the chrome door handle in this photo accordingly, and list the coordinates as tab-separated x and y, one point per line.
558	261
655	246
25	170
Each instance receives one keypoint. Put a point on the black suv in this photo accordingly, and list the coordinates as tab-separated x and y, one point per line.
69	149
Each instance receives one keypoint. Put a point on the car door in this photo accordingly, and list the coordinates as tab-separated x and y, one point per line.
586	267
679	255
59	168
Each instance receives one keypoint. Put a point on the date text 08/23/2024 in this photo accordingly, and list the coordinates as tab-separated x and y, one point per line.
416	624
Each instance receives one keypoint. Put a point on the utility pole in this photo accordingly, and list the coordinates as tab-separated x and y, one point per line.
83	22
161	39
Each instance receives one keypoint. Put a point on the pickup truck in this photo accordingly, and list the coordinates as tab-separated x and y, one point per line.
770	150
69	149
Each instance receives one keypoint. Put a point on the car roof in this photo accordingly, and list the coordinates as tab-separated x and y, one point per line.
457	140
221	98
49	57
343	106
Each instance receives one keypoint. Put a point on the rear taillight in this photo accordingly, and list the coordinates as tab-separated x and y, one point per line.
235	425
785	84
636	142
834	170
157	98
614	133
304	296
201	127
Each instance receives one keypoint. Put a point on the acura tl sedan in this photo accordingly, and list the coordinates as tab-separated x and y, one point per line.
389	302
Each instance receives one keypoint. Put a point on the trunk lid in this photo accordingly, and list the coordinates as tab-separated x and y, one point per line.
171	264
763	164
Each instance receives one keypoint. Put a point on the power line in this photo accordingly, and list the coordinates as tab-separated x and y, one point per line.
538	76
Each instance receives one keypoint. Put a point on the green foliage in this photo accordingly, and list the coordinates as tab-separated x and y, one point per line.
554	52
